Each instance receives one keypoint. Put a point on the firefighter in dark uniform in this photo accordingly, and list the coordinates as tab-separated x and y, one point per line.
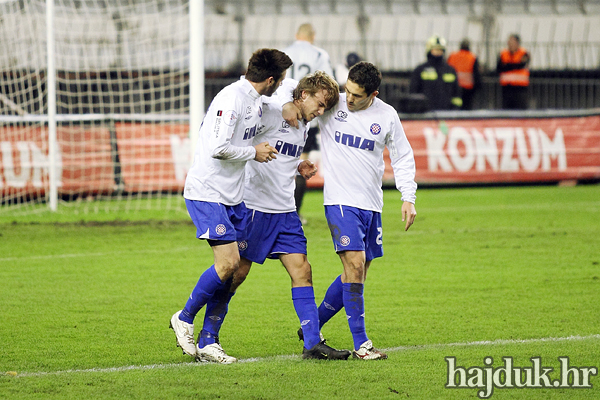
436	79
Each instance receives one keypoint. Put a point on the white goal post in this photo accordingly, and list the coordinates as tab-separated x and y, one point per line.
95	102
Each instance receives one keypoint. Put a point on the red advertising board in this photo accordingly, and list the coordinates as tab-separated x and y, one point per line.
152	157
138	157
501	150
84	162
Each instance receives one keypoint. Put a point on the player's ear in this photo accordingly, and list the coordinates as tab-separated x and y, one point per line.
374	94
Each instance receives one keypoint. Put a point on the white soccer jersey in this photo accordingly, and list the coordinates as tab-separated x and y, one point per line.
352	145
307	59
224	145
270	186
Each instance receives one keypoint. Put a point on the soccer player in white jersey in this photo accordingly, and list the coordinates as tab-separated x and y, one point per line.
307	59
354	135
274	229
214	186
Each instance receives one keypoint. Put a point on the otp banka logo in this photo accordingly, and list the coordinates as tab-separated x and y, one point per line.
289	149
341	116
354	141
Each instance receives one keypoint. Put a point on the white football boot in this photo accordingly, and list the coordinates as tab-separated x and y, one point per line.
184	333
213	353
366	351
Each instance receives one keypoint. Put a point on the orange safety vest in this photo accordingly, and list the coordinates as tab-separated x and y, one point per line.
516	77
463	61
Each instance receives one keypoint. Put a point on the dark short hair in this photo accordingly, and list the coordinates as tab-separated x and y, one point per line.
365	75
465	44
266	63
316	82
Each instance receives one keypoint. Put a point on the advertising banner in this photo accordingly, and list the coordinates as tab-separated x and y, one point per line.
504	150
138	157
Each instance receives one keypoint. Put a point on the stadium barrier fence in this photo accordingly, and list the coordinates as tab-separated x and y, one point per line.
117	155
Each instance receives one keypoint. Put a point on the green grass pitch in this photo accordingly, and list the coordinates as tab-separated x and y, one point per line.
497	272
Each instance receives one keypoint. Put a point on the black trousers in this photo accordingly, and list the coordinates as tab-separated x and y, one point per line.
515	97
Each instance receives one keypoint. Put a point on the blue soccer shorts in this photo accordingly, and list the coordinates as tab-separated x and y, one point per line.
270	235
356	230
216	221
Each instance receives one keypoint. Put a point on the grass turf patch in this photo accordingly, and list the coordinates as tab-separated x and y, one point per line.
478	265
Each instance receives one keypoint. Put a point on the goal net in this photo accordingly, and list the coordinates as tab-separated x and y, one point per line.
122	104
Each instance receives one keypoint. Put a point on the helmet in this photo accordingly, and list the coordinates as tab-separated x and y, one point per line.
435	42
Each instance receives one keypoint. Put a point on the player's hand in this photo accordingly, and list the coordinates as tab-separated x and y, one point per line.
307	169
408	214
265	152
291	114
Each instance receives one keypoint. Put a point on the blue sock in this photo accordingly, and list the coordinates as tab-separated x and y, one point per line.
354	302
332	303
208	283
216	309
306	308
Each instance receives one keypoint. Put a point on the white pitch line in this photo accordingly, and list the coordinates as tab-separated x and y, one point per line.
111	254
291	357
492	342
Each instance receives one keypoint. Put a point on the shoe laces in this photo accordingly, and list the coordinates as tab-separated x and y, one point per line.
219	349
189	337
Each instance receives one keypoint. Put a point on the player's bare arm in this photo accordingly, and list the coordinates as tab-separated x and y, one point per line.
291	113
307	169
408	214
265	152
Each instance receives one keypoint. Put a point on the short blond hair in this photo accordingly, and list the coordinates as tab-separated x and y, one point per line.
316	82
306	32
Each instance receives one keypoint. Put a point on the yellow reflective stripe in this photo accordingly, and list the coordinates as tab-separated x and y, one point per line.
429	75
449	77
457	101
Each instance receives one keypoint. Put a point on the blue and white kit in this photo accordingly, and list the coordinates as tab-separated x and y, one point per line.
214	186
273	226
353	166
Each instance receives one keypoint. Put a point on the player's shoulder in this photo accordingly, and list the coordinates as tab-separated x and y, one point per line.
321	51
271	106
383	107
234	91
271	114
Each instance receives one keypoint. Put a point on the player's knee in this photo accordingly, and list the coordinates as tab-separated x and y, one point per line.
302	275
355	271
228	265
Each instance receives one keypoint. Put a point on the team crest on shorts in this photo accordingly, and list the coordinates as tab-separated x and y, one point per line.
220	229
243	245
375	129
344	240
